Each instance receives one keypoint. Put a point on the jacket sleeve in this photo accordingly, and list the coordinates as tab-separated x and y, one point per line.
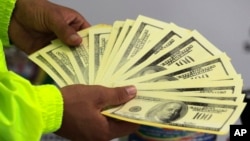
6	8
26	111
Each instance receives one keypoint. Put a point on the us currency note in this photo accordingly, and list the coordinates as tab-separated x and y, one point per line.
98	39
191	114
120	39
48	68
62	59
79	57
211	68
115	33
83	51
140	34
199	86
236	97
191	49
168	37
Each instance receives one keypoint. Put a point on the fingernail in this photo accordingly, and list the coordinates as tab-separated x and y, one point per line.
74	37
131	90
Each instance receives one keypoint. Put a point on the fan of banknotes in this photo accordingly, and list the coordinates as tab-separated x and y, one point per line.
183	81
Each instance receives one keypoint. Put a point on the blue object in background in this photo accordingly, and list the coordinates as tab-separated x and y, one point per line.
148	133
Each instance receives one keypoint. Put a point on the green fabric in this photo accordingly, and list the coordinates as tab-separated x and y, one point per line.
26	111
6	8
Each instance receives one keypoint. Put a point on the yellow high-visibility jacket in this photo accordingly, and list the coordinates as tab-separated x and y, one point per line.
26	111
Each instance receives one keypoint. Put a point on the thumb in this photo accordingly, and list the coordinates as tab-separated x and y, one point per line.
120	95
68	35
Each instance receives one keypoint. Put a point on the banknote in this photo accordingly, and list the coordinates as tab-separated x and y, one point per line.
115	32
168	37
199	86
141	32
79	57
191	49
49	69
120	39
98	38
83	52
212	67
236	97
62	59
80	54
189	113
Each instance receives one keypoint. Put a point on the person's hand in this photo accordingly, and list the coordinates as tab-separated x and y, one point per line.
35	23
82	119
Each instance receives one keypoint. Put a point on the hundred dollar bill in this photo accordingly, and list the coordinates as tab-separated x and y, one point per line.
168	37
190	113
234	98
199	86
120	39
83	51
80	53
115	32
212	68
48	68
189	50
79	58
238	97
98	38
143	29
62	59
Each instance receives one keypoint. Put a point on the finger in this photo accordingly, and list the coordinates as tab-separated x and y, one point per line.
66	31
68	35
119	95
121	128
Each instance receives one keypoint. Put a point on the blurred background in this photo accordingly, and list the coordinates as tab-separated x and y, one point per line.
225	23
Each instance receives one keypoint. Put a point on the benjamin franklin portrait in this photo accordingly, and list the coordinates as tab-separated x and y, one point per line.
167	112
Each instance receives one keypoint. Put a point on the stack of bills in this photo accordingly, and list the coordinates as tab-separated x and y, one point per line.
183	81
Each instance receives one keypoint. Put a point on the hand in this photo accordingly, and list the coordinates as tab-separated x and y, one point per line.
82	119
35	23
